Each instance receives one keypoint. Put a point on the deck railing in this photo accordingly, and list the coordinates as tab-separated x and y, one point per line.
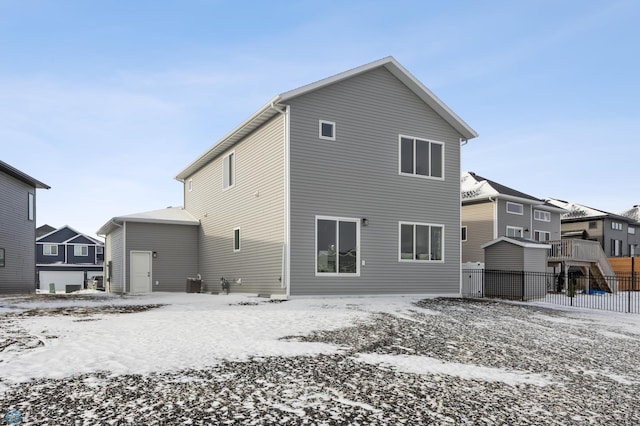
580	250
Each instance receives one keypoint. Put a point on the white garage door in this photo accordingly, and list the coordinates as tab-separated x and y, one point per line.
61	279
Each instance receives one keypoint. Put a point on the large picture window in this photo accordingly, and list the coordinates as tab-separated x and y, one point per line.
420	157
229	171
337	246
421	242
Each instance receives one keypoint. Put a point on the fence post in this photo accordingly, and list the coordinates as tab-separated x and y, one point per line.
632	287
522	282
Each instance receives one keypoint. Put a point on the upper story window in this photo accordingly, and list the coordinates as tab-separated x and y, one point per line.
99	250
190	185
631	230
419	157
617	226
327	130
50	249
514	208
463	233
1	258
421	242
31	214
542	215
236	239
80	251
229	170
593	224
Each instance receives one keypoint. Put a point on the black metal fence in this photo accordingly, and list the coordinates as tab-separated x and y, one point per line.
619	293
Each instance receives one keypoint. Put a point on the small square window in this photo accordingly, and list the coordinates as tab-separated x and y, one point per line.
327	130
593	225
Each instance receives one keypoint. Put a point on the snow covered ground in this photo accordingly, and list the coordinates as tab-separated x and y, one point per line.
203	359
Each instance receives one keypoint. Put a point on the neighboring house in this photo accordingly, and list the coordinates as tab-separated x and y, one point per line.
618	235
349	185
160	247
491	210
44	230
17	230
65	256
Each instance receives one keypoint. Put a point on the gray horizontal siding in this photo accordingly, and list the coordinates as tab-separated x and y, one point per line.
114	253
357	176
255	204
176	248
17	237
504	256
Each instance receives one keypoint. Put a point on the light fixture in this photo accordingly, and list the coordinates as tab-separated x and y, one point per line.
365	221
155	254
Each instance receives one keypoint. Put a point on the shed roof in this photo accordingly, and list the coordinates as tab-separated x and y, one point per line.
13	172
275	106
522	242
169	216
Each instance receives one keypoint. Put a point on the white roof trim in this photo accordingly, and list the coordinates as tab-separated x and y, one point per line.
168	216
270	109
532	244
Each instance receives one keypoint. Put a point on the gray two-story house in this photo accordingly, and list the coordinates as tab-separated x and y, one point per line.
491	210
618	234
349	185
17	230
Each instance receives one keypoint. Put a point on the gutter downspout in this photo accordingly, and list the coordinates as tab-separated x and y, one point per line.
286	264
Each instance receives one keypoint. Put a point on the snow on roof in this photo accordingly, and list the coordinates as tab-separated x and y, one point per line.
633	213
170	215
474	187
575	210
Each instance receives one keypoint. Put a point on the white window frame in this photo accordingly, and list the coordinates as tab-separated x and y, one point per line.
617	226
31	206
333	130
190	185
631	230
82	247
236	241
546	233
49	246
430	142
616	247
512	204
516	228
338	219
464	230
542	215
229	161
413	259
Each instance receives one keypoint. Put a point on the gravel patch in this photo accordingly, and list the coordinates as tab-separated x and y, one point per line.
445	362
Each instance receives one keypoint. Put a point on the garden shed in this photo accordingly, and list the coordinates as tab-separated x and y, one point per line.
515	268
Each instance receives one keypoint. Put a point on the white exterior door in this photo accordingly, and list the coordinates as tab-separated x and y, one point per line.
140	271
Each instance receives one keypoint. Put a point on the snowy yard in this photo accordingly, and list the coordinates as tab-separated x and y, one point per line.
204	359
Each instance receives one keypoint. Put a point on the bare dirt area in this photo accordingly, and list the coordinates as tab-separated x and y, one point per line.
443	361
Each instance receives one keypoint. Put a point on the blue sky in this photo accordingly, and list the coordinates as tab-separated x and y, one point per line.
108	101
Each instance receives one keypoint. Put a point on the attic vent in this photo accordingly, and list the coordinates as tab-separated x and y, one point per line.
469	194
575	212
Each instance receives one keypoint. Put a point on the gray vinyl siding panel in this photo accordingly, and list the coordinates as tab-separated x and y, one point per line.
255	204
357	176
479	220
17	236
176	248
114	252
535	260
504	256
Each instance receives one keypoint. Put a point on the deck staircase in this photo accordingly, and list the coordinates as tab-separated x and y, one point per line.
589	257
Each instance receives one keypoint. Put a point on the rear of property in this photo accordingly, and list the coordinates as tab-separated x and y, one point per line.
346	186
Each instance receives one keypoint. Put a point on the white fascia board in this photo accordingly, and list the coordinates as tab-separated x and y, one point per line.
516	242
247	126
